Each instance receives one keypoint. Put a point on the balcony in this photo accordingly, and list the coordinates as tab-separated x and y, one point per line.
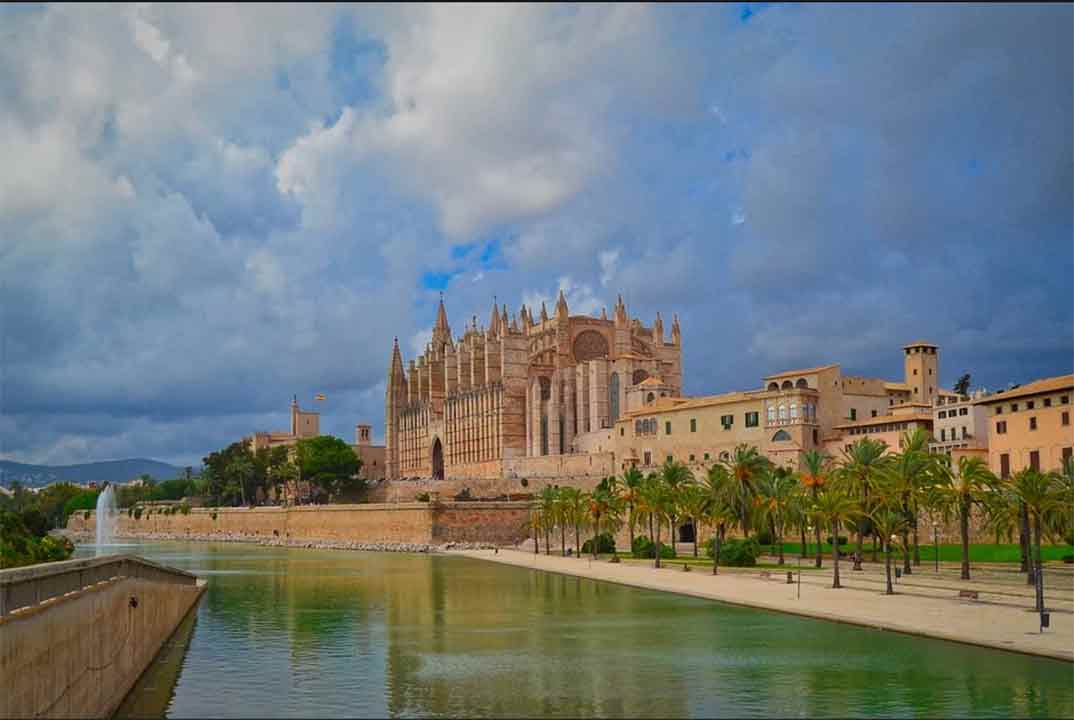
790	421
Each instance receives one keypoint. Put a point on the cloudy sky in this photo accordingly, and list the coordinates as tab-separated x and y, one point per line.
206	210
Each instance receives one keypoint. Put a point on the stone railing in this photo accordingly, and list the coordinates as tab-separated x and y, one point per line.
32	585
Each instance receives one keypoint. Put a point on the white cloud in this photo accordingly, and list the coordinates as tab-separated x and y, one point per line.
608	260
419	340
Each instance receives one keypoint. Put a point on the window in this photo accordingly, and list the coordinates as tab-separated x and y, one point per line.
1014	407
727	421
771	413
794	411
621	432
943	414
964	433
1064	419
874	413
1047	402
782	412
648	457
1030	405
1064	399
915	371
814	436
962	411
853	413
752	419
693	428
667	427
1004	466
1033	423
691	458
613	396
781	436
1066	453
671	458
999	409
1001	427
1034	459
943	434
706	456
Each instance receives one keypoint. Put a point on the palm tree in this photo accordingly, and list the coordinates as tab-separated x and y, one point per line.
631	483
603	503
548	515
692	501
537	523
655	502
917	443
744	465
1043	496
888	524
972	486
835	508
860	466
675	477
775	490
575	512
717	488
907	472
815	468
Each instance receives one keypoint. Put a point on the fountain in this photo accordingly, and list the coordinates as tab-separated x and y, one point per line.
106	519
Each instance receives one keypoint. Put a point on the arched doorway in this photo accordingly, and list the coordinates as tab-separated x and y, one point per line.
686	533
438	460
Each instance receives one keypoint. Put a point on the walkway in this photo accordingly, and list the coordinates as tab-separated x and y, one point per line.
920	607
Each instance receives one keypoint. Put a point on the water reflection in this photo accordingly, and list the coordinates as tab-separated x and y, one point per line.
286	632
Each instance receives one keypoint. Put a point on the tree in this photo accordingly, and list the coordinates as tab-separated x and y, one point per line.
962	385
744	466
775	493
908	472
548	515
692	503
631	482
1042	495
329	463
815	468
861	464
675	476
718	509
654	502
973	485
604	504
576	512
888	523
835	508
239	472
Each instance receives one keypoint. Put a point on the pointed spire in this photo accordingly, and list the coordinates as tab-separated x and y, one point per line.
503	317
620	312
604	313
561	306
544	312
658	329
676	333
494	319
441	331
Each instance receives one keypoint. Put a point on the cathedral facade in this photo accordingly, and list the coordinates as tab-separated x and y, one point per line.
522	387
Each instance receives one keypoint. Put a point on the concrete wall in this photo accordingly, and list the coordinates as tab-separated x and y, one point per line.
404	522
80	654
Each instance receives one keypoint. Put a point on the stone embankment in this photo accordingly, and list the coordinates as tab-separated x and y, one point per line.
298	543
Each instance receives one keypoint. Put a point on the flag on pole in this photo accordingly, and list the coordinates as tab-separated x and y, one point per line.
319	396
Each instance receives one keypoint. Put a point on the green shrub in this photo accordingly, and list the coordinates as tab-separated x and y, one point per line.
1068	559
764	537
643	547
422	497
736	552
138	513
185	509
605	544
842	540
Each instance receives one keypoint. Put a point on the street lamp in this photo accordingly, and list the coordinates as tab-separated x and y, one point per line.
887	555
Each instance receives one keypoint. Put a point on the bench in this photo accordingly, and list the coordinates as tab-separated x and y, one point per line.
970	594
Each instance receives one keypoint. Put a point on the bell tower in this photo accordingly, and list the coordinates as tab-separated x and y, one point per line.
921	366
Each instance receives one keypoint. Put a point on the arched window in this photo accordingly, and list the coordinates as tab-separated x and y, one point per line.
613	396
787	385
773	386
801	383
782	412
781	436
794	411
637	427
649	398
771	413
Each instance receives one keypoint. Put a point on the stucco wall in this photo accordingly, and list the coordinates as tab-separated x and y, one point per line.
79	655
404	523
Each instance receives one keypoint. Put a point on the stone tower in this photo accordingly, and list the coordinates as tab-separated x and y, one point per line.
921	364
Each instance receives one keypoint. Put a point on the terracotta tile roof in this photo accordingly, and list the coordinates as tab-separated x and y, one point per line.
883	419
677	404
897	386
805	371
1052	384
651	381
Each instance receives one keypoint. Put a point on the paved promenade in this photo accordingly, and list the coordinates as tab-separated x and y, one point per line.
921	608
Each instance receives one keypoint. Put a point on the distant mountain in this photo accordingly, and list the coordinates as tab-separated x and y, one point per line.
119	471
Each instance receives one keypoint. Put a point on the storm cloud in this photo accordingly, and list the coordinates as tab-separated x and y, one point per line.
205	210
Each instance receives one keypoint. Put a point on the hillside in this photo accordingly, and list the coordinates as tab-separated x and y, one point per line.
110	470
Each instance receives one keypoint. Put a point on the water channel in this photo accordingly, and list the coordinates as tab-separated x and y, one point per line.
290	632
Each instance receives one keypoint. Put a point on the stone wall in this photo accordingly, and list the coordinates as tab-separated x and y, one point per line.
80	654
414	523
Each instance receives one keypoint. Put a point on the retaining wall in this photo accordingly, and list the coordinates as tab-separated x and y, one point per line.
78	654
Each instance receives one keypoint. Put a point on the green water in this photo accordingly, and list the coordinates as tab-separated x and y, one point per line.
288	633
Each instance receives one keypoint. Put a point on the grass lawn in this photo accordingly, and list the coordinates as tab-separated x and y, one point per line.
948	553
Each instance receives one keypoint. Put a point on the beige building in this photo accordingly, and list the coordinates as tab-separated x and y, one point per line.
794	411
304	424
372	456
524	387
959	422
1029	426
